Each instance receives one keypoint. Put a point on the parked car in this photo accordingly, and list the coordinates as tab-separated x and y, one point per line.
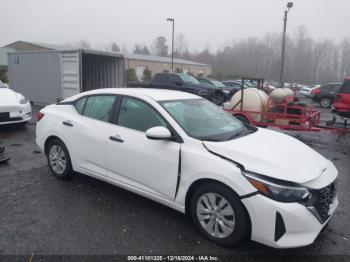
14	107
325	94
232	83
341	105
237	83
229	92
185	152
307	90
185	83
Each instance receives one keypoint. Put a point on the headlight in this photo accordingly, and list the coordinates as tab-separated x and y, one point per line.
23	100
278	190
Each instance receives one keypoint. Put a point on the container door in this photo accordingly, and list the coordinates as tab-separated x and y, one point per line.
70	70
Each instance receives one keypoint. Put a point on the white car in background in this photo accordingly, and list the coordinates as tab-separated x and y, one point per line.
307	90
183	151
14	107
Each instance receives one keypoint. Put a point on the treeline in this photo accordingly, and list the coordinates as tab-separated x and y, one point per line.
307	60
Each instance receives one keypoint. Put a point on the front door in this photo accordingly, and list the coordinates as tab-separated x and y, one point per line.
133	159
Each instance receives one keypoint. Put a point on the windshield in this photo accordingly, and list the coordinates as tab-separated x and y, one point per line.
203	120
2	85
217	83
189	79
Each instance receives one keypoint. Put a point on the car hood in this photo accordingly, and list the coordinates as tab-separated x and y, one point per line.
8	97
273	154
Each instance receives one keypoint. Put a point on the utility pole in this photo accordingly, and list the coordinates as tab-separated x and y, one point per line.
172	44
289	6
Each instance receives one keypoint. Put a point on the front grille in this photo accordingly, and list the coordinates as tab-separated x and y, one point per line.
5	117
323	198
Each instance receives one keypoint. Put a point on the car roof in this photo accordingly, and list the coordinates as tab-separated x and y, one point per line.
153	93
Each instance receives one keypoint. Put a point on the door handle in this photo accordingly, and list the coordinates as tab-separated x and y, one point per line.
116	139
67	123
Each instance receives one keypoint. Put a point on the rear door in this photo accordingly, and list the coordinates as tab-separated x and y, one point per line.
87	133
70	73
139	162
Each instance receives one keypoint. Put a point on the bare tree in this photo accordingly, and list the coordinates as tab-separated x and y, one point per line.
181	45
83	44
159	46
139	49
115	47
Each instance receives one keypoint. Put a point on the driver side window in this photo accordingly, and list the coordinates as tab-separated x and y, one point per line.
137	115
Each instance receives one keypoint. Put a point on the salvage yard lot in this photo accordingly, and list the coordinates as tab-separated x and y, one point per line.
41	214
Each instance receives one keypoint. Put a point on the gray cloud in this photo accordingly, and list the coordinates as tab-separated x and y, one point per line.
205	23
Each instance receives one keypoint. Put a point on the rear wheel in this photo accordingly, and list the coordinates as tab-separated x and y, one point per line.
219	215
59	160
325	102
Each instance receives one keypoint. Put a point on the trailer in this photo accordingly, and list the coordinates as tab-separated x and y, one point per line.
46	77
290	115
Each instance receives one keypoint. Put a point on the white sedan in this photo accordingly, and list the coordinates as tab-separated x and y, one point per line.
14	107
307	90
180	150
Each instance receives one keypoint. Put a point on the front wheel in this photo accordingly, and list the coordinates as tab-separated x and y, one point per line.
59	160
325	102
219	215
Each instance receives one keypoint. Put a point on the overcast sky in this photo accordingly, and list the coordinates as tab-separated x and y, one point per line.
205	23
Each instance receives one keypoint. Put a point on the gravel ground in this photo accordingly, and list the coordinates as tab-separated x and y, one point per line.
43	215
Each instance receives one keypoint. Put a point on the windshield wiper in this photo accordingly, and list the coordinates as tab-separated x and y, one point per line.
212	139
240	134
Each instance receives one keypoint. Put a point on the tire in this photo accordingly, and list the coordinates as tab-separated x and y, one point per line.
325	102
59	160
238	224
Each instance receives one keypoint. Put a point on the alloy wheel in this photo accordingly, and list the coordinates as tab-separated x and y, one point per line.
216	215
325	102
57	159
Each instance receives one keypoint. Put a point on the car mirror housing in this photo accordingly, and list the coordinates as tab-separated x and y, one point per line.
158	132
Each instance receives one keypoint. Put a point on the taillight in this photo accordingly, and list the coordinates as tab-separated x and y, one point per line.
315	91
39	116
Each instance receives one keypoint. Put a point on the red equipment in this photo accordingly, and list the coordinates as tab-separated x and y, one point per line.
341	104
288	115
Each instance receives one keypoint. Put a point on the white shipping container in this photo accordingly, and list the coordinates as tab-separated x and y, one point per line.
46	77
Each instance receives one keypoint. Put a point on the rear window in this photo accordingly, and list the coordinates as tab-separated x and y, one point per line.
79	105
345	88
99	107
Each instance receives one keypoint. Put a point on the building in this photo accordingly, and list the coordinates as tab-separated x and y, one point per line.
33	46
157	64
138	62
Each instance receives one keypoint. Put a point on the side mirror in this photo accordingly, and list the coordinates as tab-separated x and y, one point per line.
178	83
158	133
